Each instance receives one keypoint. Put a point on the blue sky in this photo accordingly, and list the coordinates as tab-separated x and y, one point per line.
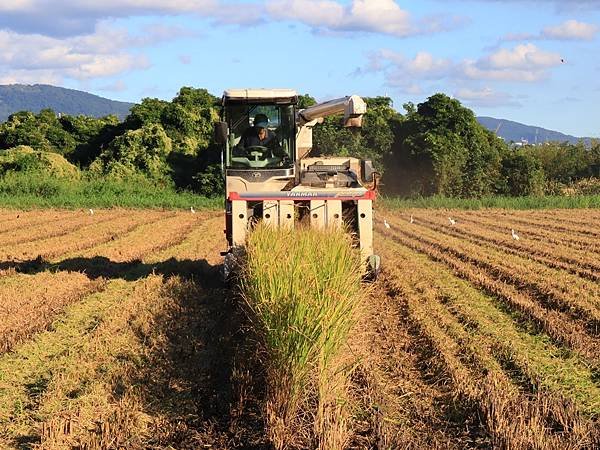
535	62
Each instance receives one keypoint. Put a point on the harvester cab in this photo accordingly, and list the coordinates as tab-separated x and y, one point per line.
270	176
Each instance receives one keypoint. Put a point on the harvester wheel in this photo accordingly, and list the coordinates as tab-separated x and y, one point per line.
229	268
373	267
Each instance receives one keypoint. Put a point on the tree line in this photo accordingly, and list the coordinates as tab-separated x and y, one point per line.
435	147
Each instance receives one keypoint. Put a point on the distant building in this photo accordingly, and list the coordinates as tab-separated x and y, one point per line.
520	143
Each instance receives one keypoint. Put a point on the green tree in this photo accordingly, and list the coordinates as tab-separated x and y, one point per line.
149	111
41	131
563	162
594	158
59	139
187	119
21	128
193	112
440	148
91	135
521	174
144	150
304	101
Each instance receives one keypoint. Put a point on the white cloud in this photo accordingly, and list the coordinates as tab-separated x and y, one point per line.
112	8
237	14
99	66
78	17
485	97
524	62
562	5
470	70
571	30
404	73
380	16
29	77
312	12
36	58
423	72
422	66
375	16
523	56
16	5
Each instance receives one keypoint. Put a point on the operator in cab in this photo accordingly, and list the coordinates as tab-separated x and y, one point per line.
259	135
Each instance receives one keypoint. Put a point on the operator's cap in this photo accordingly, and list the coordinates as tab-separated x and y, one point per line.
261	121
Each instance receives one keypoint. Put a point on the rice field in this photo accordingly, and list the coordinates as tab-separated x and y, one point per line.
115	332
488	331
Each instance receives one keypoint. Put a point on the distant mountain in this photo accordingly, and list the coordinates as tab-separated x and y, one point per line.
23	97
518	132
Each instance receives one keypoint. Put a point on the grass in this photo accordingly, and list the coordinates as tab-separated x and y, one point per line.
545	202
32	190
303	290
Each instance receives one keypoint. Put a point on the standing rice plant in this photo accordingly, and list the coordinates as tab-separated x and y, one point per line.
303	289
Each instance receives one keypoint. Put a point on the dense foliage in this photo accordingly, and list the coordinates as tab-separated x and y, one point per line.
170	142
434	148
441	149
24	159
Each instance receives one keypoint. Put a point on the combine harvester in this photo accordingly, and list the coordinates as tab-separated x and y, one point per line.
278	184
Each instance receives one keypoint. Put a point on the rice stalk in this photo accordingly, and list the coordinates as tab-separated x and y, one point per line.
303	290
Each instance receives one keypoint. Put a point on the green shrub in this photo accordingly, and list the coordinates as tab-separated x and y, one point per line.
211	182
521	175
25	159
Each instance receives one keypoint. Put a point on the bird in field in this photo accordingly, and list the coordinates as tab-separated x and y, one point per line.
387	225
192	210
91	212
452	221
412	220
515	236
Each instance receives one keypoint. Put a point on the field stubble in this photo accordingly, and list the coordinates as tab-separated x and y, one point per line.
514	341
115	333
139	347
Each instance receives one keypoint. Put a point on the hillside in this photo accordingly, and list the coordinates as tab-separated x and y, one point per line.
21	97
517	132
